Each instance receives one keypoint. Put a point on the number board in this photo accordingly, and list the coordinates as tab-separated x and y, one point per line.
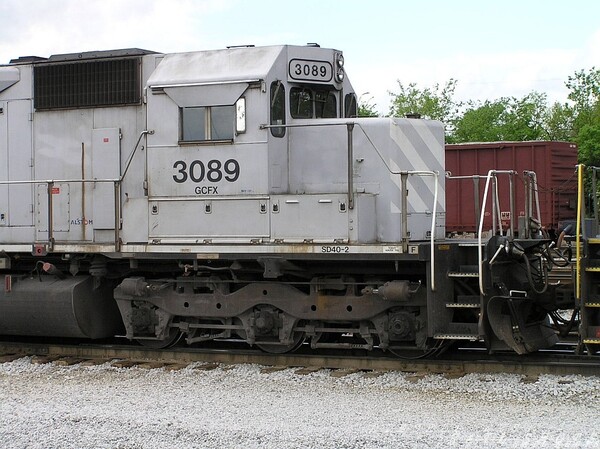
307	70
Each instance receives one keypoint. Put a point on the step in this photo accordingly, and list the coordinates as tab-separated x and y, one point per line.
592	304
469	337
461	274
593	269
591	341
471	244
463	305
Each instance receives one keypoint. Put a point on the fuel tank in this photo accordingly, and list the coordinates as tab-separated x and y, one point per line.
47	306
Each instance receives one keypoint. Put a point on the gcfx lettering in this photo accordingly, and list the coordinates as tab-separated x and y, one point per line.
206	190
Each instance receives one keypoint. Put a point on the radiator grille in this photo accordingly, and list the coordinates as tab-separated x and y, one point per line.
87	84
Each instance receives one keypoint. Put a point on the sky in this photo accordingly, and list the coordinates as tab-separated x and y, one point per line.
493	49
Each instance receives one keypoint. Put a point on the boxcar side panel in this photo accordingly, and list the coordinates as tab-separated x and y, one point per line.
553	162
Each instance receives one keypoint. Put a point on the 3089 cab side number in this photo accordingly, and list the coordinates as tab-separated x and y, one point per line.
213	171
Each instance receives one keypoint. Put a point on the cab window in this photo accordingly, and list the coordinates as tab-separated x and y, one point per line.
312	103
301	103
350	107
207	123
277	108
325	104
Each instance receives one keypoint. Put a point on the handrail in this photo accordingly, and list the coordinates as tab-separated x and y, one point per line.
350	126
130	158
116	190
61	181
595	190
84	180
491	174
536	194
532	196
49	186
340	123
435	175
476	179
580	212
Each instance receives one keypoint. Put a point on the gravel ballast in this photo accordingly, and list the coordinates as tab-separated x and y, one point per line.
48	406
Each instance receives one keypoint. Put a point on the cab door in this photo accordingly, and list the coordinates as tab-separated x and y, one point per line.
207	180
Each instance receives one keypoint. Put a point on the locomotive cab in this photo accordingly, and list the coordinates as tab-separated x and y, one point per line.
221	151
255	145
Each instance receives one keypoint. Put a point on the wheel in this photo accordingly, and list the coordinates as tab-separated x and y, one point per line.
282	349
415	354
174	336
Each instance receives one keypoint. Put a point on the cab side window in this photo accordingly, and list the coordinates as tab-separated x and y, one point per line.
207	123
350	107
277	108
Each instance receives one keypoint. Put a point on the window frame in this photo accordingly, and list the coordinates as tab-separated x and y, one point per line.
316	110
278	89
207	125
350	105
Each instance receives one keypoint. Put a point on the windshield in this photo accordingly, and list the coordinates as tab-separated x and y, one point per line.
312	103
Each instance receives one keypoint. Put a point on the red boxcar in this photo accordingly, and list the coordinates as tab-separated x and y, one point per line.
553	162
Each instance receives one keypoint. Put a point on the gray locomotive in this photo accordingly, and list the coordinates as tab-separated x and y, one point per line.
234	194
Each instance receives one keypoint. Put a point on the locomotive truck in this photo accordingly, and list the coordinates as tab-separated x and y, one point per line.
235	194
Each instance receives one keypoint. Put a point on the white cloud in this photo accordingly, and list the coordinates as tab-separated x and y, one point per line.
45	27
67	26
590	56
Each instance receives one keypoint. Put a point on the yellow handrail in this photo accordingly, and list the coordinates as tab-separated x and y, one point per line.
580	169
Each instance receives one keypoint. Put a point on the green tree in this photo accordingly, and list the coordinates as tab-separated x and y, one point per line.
558	122
481	122
526	115
432	103
588	141
507	118
584	87
366	108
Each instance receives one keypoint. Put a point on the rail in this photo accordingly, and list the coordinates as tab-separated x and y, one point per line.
403	181
451	363
50	184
